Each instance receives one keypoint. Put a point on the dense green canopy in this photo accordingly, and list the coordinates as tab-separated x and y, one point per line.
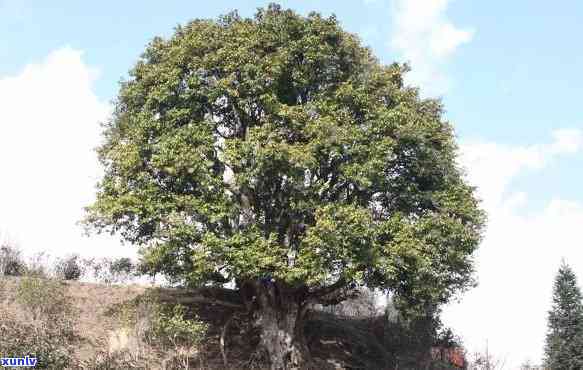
280	147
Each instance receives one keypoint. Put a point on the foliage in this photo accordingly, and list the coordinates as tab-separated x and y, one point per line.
171	327
409	338
564	341
167	329
420	340
278	153
38	265
447	351
19	338
47	300
41	297
122	265
446	338
173	331
39	323
69	268
361	303
279	146
11	262
110	271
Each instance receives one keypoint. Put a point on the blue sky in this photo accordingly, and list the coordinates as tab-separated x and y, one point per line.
509	74
516	80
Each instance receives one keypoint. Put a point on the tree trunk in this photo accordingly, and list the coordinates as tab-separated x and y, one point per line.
280	317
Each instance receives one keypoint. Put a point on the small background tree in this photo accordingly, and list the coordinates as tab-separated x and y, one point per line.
11	260
69	267
564	341
486	361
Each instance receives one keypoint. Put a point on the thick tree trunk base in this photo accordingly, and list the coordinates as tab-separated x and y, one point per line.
280	318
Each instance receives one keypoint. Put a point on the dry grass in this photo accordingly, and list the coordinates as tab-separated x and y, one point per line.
96	325
104	340
36	319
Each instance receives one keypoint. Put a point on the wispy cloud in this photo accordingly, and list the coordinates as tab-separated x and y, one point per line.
424	36
492	166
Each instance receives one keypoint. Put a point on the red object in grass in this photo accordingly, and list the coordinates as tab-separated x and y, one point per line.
454	355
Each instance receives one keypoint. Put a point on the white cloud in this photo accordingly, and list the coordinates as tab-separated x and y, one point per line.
425	37
567	140
49	127
493	166
521	251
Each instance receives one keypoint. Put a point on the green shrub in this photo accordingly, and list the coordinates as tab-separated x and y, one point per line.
122	265
167	330
170	327
180	335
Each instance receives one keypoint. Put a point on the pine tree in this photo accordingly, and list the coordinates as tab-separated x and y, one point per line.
564	342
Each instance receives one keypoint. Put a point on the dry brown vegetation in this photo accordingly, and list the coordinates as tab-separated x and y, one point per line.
70	324
110	327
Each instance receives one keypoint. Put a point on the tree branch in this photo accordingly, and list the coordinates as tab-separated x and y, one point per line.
219	296
325	291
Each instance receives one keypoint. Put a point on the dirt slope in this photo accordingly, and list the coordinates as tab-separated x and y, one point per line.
335	342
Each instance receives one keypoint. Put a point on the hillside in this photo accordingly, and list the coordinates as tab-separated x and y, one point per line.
100	318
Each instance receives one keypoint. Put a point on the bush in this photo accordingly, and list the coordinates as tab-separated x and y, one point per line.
170	327
110	271
44	299
38	265
69	268
38	322
19	338
121	268
181	336
11	262
167	330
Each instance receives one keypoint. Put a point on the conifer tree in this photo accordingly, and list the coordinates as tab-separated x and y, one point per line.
564	342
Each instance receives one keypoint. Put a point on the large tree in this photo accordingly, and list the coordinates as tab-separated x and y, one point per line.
279	154
564	342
